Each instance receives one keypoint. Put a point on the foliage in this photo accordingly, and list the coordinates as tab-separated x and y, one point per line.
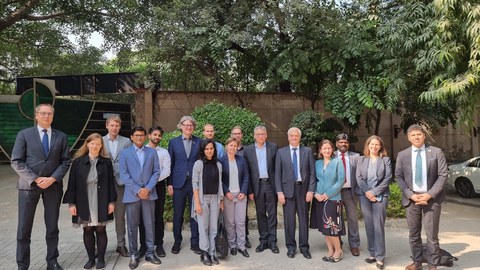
395	208
315	128
224	118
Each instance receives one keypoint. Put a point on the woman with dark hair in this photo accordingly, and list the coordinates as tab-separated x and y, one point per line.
330	175
235	186
91	196
207	199
374	173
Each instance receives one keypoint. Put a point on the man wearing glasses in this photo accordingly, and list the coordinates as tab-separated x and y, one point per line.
41	158
183	152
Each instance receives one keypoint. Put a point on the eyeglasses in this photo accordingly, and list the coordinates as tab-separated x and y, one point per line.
45	113
138	135
188	126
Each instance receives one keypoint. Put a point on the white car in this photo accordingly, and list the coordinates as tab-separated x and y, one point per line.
465	177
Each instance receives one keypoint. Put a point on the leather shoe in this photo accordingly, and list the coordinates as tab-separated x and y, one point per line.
205	259
244	253
306	254
355	251
381	265
291	254
233	251
196	250
160	251
261	247
122	250
215	260
176	248
133	264
274	248
370	260
153	259
54	266
247	243
414	266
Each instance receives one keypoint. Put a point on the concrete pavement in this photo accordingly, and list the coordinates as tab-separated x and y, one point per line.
459	234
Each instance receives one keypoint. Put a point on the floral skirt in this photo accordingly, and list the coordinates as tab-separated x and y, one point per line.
327	217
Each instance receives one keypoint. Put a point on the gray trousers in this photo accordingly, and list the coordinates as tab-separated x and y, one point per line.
352	218
119	214
145	208
208	223
374	215
234	213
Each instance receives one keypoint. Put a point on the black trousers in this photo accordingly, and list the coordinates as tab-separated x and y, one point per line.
27	205
266	206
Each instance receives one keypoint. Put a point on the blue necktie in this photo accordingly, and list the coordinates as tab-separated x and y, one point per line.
418	169
295	164
45	142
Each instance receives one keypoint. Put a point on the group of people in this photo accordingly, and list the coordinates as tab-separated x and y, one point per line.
126	180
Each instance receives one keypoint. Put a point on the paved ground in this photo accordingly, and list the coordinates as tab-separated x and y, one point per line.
459	234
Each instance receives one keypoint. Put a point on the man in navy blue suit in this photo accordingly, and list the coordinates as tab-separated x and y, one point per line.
183	152
140	170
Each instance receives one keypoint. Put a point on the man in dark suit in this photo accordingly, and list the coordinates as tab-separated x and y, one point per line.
183	152
139	171
421	172
260	157
295	184
41	158
349	190
114	144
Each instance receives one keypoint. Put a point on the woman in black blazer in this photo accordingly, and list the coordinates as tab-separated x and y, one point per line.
235	187
374	173
91	196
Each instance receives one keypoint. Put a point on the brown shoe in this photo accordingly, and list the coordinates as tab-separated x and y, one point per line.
355	251
414	266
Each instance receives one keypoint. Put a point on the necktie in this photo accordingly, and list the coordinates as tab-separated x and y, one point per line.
418	168
344	166
295	164
45	142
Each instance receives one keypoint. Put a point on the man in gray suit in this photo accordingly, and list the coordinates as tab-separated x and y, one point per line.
260	157
295	184
349	192
421	172
41	158
114	144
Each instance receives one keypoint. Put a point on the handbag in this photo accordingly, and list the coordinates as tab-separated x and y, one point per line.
221	240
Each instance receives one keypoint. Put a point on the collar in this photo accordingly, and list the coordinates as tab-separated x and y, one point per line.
40	129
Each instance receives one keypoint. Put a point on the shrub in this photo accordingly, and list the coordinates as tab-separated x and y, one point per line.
395	208
224	118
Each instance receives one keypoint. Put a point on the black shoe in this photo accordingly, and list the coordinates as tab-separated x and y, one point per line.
153	259
380	265
54	266
261	247
196	250
205	259
100	265
122	250
306	254
215	260
160	251
142	251
176	248
370	260
291	254
327	258
274	248
247	243
133	263
244	253
89	265
233	251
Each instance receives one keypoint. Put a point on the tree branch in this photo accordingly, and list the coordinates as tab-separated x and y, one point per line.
18	15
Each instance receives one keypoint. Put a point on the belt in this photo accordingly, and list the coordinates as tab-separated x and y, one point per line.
346	188
264	179
298	182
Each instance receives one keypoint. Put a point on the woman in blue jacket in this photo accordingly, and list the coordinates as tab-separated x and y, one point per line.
330	175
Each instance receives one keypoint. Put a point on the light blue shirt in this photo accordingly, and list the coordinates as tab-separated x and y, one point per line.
140	155
262	160
49	133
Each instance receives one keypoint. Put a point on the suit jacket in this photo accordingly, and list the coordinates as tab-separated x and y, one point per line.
123	142
30	162
77	188
136	177
384	176
284	181
243	177
436	174
352	158
181	165
330	180
250	155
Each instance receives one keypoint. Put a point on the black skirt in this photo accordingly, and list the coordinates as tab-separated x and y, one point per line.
327	217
